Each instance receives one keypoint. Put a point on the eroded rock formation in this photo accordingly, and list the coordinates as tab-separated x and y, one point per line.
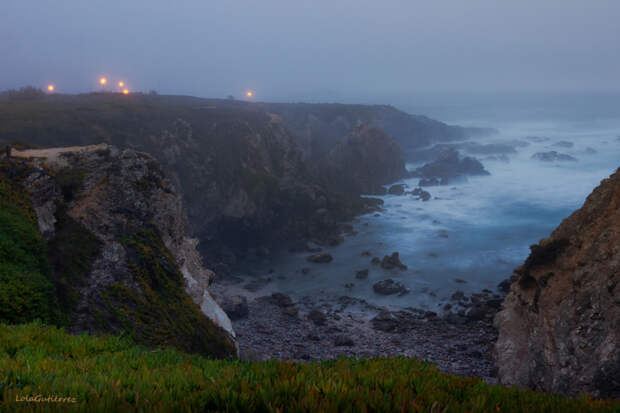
119	251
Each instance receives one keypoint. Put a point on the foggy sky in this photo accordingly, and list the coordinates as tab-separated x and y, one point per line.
307	50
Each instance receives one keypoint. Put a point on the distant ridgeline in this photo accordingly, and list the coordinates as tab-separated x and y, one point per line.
252	175
93	239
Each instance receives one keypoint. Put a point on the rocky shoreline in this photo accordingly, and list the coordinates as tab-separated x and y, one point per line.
317	328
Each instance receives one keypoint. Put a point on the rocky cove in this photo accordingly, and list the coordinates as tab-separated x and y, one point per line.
323	234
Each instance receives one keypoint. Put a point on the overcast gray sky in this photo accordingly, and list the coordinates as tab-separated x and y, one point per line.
303	50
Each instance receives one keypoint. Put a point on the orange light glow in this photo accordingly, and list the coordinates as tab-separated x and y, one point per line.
121	84
249	93
103	81
50	88
125	91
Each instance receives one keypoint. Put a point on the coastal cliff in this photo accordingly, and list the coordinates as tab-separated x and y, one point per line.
117	254
559	330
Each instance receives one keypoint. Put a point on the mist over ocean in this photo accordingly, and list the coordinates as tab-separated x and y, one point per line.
469	236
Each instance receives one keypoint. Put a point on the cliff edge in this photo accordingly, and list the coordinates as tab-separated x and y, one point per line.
116	248
559	330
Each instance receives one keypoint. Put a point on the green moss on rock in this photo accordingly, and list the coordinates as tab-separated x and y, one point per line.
26	291
159	311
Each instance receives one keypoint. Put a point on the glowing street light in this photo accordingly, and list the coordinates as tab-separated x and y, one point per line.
125	91
103	81
249	93
121	84
50	88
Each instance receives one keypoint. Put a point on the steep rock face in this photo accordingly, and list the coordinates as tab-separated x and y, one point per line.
559	330
238	168
119	252
364	161
318	127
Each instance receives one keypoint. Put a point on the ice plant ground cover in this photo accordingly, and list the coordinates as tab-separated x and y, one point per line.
110	373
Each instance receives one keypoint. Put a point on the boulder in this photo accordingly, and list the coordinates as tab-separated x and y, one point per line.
317	317
235	306
343	340
558	329
391	262
388	287
290	311
281	300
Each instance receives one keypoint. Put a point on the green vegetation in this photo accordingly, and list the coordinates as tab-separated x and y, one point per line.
109	373
26	292
162	312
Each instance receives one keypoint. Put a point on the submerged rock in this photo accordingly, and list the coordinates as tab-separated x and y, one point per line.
390	262
563	144
320	258
552	156
361	274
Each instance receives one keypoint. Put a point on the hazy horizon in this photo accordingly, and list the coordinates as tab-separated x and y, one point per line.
350	51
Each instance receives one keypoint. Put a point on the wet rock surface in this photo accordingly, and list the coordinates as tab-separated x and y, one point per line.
388	287
390	262
448	168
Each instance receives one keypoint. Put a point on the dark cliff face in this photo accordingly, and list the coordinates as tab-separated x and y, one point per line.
247	172
559	330
319	127
118	254
362	162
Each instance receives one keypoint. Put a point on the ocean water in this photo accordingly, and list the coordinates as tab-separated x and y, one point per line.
469	236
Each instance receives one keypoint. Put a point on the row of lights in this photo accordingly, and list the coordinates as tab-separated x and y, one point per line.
103	81
121	85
